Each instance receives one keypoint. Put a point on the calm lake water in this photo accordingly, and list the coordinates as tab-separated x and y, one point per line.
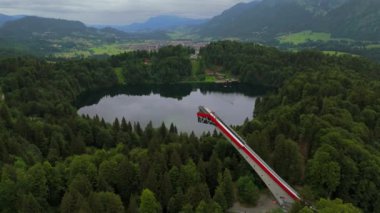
177	104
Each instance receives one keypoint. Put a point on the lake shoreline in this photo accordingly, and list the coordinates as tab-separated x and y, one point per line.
174	104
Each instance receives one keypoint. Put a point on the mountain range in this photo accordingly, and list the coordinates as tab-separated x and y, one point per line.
257	20
267	19
158	23
262	21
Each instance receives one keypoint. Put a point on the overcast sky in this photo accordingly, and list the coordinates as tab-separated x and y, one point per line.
115	11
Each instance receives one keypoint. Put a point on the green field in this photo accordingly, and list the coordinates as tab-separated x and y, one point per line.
182	34
112	49
108	49
373	46
210	79
303	37
337	53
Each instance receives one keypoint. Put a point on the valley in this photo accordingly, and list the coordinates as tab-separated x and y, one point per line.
79	40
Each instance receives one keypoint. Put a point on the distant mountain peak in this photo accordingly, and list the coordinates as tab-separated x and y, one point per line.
158	23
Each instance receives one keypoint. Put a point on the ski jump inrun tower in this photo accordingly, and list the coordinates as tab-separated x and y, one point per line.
284	194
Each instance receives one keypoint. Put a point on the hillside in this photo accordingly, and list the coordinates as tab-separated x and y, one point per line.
45	36
6	18
43	27
258	20
268	19
356	19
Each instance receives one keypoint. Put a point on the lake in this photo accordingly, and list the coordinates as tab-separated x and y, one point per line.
177	104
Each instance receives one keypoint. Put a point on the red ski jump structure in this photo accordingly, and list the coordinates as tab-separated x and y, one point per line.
284	194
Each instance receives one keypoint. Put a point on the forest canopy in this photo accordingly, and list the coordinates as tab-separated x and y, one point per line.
319	130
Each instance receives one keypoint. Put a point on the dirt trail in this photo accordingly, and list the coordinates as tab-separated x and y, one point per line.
265	204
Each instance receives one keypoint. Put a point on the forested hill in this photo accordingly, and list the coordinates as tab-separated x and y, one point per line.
268	19
45	36
50	28
5	18
320	132
258	64
46	28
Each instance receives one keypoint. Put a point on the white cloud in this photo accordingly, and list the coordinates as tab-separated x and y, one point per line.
115	11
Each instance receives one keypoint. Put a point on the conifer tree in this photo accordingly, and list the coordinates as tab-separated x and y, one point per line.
149	203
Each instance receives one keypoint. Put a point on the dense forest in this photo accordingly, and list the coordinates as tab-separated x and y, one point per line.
168	65
355	48
319	130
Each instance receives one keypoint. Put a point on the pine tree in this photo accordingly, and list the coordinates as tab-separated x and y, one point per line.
197	193
132	205
116	126
106	175
149	131
174	175
105	202
29	204
228	188
5	116
202	207
189	175
126	179
71	201
54	151
163	130
175	159
124	125
176	202
201	167
220	198
151	182
138	129
38	183
129	127
188	208
173	129
149	203
248	192
213	169
208	207
103	123
287	160
81	184
55	183
165	190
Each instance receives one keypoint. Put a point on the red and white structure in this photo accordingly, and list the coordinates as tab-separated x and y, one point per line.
284	194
